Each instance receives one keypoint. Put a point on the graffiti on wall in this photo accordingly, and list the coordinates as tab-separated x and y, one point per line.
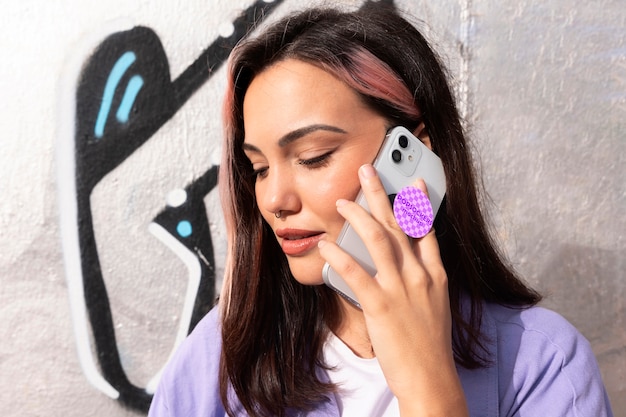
123	95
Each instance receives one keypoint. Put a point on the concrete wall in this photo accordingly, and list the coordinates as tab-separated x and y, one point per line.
110	136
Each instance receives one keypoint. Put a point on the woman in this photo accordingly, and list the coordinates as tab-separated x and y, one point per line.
446	328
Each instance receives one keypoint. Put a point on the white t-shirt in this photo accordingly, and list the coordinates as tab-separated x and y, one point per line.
363	390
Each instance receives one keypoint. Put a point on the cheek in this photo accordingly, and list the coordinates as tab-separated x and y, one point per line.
259	192
340	183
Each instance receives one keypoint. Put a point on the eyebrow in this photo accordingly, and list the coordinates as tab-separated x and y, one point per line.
294	135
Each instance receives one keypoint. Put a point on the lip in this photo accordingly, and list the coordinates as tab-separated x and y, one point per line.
297	242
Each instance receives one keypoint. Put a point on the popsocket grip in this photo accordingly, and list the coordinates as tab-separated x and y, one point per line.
413	212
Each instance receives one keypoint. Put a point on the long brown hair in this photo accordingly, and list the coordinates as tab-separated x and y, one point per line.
274	328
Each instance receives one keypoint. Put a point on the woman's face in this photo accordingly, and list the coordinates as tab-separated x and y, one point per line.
306	135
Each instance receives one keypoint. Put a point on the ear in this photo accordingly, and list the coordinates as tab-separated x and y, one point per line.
422	134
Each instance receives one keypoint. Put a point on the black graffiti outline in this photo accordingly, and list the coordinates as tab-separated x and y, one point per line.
100	144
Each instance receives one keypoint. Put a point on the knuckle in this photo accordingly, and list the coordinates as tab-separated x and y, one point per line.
436	270
376	235
348	267
379	307
440	276
421	281
426	281
391	224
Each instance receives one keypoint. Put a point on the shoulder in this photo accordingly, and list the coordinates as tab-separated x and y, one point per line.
535	323
545	364
189	385
201	349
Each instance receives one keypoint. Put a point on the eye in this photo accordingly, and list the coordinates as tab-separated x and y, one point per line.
316	162
259	173
255	170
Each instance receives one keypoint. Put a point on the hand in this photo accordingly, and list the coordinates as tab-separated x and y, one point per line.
405	306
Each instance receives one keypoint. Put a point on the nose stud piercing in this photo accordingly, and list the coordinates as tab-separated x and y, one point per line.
278	214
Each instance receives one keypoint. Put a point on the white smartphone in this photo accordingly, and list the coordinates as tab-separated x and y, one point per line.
401	159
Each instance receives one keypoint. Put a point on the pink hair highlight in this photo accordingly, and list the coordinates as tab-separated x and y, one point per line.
225	185
372	77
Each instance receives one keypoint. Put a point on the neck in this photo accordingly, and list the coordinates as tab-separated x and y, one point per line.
352	330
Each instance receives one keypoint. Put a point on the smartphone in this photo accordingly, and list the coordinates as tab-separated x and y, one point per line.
401	159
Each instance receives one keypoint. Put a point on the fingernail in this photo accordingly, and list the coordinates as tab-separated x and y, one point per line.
321	243
341	202
367	171
420	183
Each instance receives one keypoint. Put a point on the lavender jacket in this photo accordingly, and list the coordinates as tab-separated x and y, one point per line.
542	366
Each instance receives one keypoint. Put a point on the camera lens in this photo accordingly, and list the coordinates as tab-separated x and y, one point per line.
403	141
396	155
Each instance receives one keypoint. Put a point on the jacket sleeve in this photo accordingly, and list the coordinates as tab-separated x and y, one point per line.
159	406
547	368
189	385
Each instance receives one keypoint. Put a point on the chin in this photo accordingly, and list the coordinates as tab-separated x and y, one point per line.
307	273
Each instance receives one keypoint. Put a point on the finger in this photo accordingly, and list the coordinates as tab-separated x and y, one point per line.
360	282
427	247
383	248
377	199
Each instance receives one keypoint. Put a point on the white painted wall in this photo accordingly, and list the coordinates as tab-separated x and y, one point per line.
543	85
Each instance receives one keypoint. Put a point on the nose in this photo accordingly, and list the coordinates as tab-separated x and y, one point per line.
277	192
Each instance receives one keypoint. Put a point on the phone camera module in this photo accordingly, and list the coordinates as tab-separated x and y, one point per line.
396	155
403	141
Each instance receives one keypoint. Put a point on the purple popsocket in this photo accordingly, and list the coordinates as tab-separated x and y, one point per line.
413	212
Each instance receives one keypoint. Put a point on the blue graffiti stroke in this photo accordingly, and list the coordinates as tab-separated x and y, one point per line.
134	85
118	71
